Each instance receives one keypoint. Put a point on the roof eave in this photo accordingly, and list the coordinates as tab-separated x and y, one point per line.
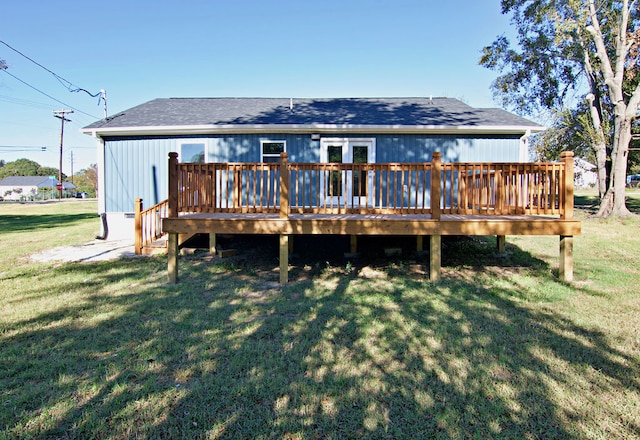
310	128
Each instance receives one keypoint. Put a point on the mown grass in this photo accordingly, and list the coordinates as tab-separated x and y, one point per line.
498	349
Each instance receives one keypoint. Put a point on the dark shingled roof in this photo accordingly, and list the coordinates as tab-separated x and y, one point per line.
165	112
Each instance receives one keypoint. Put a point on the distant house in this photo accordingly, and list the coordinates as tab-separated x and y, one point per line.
133	145
586	175
29	187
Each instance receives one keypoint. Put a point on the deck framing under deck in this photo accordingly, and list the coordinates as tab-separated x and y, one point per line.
363	224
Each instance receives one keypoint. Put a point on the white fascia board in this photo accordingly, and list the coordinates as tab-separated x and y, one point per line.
310	128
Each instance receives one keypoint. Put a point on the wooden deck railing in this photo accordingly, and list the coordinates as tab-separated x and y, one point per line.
433	188
148	224
504	188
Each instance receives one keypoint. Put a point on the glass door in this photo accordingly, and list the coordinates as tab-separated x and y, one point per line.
347	188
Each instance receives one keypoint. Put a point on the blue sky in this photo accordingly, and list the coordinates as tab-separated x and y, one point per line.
141	50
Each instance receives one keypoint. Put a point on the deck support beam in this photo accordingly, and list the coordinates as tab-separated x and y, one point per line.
284	258
435	257
501	241
566	258
212	243
172	254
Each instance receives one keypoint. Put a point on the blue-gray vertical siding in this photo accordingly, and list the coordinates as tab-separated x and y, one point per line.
138	167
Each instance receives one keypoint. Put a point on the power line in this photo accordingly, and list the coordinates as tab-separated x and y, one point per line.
69	85
39	147
47	95
101	95
24	102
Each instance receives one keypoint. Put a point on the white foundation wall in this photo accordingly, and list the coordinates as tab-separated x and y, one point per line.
121	226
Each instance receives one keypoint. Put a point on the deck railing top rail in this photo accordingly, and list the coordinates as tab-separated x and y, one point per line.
430	188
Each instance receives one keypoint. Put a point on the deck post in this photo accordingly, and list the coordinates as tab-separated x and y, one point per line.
284	258
212	243
435	241
436	170
354	244
137	243
435	257
566	258
172	254
172	211
419	243
284	185
566	211
501	241
565	269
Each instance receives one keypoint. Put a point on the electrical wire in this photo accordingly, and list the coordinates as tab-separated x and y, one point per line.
49	96
65	82
24	102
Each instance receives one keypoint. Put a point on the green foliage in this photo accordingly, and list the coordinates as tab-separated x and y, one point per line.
27	167
552	49
562	46
548	63
572	130
86	180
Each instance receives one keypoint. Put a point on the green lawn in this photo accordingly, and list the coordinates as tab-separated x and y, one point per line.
498	349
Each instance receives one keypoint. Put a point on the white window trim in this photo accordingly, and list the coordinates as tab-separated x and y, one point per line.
182	142
271	141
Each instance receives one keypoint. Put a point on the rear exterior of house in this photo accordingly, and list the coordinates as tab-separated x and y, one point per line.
133	145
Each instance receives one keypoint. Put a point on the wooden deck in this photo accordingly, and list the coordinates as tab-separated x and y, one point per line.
370	224
422	200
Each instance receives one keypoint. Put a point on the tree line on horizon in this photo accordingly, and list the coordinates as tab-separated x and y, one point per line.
85	180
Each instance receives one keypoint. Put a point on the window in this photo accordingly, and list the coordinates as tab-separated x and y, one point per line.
192	152
270	150
335	177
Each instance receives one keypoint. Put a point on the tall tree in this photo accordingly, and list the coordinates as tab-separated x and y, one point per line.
86	180
564	44
27	167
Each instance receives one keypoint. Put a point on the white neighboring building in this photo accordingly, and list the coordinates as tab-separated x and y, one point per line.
24	187
586	174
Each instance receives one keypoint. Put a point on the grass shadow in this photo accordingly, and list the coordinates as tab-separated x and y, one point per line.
350	352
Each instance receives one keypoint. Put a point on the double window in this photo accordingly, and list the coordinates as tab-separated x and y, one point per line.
270	150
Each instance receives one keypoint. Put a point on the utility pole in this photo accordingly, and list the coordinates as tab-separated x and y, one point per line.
71	160
60	115
103	97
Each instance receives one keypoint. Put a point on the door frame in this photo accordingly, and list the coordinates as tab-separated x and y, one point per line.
346	199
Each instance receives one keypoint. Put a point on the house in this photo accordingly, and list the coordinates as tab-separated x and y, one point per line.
586	173
31	187
133	145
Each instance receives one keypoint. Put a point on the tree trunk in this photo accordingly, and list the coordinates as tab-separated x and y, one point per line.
601	167
614	201
599	144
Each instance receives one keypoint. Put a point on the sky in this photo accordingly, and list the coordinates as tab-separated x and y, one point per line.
139	50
